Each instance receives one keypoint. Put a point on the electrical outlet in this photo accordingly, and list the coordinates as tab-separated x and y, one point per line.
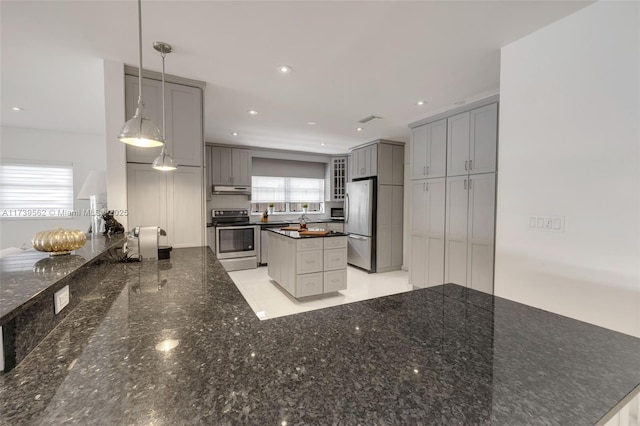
546	223
61	299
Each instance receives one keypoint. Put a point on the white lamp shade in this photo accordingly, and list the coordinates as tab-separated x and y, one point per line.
94	184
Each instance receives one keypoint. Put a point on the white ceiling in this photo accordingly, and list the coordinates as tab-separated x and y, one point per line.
350	59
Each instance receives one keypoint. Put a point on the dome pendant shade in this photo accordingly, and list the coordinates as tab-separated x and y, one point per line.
140	131
164	162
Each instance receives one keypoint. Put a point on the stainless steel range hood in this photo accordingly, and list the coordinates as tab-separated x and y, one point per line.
231	190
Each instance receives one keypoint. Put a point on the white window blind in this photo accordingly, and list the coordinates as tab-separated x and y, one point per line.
302	190
266	189
44	187
287	194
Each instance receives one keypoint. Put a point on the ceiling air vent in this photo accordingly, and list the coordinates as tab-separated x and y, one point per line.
368	119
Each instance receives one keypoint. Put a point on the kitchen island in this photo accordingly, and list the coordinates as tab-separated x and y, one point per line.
174	342
308	265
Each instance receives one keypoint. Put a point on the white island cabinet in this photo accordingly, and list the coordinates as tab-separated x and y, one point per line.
307	265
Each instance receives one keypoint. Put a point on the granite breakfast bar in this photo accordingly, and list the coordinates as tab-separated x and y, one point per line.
174	342
29	281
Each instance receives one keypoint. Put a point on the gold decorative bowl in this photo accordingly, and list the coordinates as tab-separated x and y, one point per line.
59	241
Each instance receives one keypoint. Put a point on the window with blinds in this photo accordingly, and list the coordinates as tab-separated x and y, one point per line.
287	194
35	190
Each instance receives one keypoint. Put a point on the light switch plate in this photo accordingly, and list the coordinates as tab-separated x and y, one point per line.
61	299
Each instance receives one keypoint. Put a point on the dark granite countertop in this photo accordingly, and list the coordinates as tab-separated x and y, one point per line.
296	235
445	355
26	275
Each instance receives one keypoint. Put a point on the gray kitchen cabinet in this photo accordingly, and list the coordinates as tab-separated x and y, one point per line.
429	150
230	166
337	178
381	158
427	232
364	161
469	241
207	172
390	164
452	216
184	121
389	227
171	201
472	141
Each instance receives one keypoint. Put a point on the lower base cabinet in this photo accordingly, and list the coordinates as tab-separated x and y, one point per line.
308	266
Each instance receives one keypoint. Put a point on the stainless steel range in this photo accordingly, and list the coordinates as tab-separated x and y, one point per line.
237	241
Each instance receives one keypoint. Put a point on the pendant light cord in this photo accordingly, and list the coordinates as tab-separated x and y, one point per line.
164	124
140	52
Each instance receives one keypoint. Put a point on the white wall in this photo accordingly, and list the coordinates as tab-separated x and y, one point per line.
570	146
85	151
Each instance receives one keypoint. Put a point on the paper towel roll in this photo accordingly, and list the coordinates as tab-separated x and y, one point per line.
148	239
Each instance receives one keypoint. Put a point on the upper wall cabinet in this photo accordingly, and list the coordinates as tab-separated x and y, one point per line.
184	125
390	164
471	141
381	158
429	150
364	161
337	179
230	166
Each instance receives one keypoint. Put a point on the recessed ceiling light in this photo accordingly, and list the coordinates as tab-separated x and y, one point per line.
285	69
420	103
17	108
460	102
359	129
252	112
323	144
234	133
312	123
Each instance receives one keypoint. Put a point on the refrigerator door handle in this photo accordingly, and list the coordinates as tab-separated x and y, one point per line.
356	237
346	208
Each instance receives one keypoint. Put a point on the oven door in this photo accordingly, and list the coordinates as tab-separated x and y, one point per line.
236	241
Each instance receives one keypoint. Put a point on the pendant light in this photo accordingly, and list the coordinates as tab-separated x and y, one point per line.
139	130
163	161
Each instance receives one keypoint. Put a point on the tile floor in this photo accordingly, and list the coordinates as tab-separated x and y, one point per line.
268	300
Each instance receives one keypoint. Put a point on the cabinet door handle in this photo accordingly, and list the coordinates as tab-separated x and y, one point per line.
466	164
424	186
470	164
469	183
427	170
465	184
424	171
427	187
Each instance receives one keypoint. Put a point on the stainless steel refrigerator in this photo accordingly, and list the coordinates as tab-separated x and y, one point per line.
359	222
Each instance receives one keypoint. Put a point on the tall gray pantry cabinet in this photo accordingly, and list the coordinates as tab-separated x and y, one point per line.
453	179
171	200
